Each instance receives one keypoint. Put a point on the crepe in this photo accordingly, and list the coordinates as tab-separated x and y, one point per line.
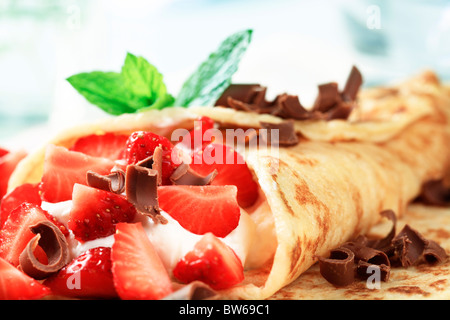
416	282
328	188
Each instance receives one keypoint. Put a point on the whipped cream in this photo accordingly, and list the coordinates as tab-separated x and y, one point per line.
252	240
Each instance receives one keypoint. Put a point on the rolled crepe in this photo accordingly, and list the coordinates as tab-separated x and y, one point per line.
328	188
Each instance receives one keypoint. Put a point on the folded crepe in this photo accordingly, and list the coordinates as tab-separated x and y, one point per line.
329	187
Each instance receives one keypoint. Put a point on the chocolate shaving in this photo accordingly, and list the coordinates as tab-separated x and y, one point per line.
354	82
50	238
141	189
385	244
113	182
435	193
327	98
364	268
365	253
330	103
154	162
157	163
338	269
405	249
433	253
247	93
285	134
184	175
195	290
409	246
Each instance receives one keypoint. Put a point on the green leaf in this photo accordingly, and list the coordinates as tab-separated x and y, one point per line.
213	76
107	91
143	79
162	102
138	86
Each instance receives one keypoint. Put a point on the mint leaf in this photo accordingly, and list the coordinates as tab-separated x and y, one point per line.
107	91
213	76
143	79
139	86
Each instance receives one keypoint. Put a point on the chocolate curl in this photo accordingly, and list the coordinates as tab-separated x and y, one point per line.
406	248
113	182
433	253
286	133
435	193
195	290
327	98
338	269
330	104
354	82
141	190
50	238
385	244
184	175
366	257
247	93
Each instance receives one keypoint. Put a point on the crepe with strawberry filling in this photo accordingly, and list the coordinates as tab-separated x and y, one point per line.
311	196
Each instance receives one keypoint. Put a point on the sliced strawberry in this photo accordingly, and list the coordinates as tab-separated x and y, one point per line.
108	145
3	152
24	193
141	144
87	276
197	135
96	212
63	168
138	271
16	233
16	285
202	209
232	170
212	262
8	163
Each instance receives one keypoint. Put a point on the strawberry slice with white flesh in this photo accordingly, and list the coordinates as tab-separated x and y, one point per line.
232	170
87	276
16	233
212	262
95	213
108	145
138	271
63	168
202	209
16	285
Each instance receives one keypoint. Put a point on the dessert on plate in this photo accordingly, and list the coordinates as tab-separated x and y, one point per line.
236	200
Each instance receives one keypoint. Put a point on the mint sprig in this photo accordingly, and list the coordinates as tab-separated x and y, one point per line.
140	86
213	76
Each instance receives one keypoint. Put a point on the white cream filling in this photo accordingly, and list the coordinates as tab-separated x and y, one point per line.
253	240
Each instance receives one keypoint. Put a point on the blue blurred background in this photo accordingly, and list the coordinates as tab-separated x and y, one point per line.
296	45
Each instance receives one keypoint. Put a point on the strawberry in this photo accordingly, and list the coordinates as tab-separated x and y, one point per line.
87	276
108	145
16	233
138	271
8	162
232	170
63	168
16	285
24	193
212	262
3	152
141	144
96	212
202	209
196	135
